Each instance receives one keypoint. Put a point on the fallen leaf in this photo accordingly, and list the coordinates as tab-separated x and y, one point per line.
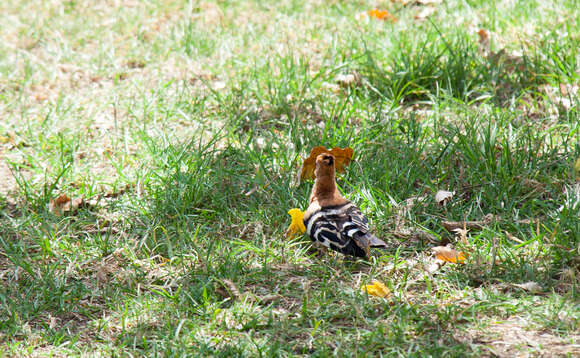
218	85
377	14
442	196
377	289
332	87
462	233
349	80
342	156
297	225
429	2
381	15
210	14
472	225
577	165
425	13
531	286
231	288
63	204
449	254
101	273
435	265
510	61
512	237
51	321
268	299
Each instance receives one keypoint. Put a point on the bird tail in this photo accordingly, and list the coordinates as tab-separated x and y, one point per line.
376	242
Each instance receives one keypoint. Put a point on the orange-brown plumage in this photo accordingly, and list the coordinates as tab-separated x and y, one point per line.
324	192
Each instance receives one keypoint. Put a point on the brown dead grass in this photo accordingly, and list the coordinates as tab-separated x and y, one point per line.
8	183
513	338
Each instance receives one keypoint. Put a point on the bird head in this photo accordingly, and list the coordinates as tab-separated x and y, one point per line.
324	165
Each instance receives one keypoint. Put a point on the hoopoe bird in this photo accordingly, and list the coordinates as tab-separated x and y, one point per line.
332	220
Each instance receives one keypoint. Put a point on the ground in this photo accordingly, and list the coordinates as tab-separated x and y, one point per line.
149	153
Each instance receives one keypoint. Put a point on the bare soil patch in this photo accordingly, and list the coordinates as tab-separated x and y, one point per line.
511	338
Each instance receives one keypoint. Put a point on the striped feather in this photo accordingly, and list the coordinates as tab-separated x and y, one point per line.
342	228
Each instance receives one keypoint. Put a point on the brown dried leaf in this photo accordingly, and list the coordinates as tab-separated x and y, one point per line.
232	290
449	254
510	61
268	299
64	204
472	225
102	273
342	156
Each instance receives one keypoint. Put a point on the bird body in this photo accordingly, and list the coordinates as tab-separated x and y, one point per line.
332	220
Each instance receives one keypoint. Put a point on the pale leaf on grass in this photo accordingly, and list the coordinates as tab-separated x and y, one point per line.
513	238
443	196
429	2
434	265
51	321
462	235
425	13
348	80
532	287
332	87
511	62
232	289
218	85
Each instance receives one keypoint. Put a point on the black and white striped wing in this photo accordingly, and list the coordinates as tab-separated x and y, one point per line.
342	228
356	223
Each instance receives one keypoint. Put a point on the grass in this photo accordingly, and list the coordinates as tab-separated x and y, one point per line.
181	126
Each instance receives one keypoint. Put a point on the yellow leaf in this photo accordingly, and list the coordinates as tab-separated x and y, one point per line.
377	289
297	224
342	156
577	165
450	255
